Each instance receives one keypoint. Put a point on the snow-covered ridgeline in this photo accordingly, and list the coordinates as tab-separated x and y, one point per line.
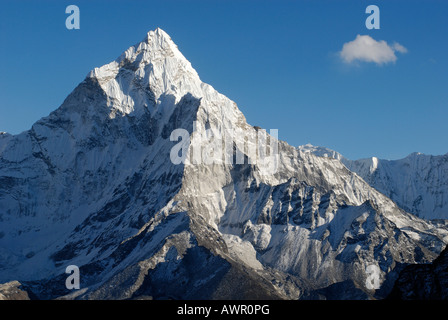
418	183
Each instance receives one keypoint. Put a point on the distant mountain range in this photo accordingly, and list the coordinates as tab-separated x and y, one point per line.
417	183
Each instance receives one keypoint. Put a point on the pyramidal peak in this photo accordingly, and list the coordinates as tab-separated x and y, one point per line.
160	40
154	76
155	63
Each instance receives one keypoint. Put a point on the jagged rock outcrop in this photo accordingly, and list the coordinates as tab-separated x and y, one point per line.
12	291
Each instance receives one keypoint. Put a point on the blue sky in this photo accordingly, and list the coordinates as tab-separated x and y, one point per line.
278	60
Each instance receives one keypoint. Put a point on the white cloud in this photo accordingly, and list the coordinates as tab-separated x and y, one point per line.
365	48
398	47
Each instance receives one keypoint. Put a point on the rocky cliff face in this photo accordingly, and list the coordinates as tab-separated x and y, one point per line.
111	183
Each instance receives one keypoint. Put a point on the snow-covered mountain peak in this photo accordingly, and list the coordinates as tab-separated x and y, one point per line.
159	39
155	65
